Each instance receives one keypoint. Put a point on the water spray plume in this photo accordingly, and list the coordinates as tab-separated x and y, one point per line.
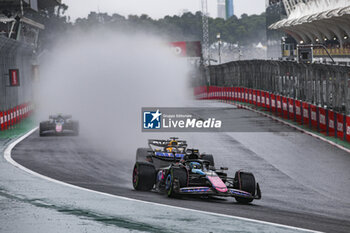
104	78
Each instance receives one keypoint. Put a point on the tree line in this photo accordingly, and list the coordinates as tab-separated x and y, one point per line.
245	30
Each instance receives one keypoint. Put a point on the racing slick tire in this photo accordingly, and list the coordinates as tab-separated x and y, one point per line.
144	176
141	154
177	178
246	183
209	158
42	128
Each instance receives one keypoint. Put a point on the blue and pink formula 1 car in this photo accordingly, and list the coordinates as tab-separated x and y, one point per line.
168	166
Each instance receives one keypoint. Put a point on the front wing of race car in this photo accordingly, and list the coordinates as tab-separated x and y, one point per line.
52	128
229	192
48	128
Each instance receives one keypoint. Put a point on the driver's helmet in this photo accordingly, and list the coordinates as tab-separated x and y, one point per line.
195	165
172	145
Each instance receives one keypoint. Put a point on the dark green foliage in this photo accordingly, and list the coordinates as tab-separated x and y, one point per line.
244	30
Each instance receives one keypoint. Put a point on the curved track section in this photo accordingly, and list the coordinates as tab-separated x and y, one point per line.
305	182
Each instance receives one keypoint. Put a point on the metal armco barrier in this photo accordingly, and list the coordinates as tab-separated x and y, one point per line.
323	120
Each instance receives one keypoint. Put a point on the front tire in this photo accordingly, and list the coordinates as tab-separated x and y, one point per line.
176	179
144	176
246	183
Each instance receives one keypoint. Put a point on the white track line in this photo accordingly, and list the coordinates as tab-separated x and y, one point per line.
293	126
7	156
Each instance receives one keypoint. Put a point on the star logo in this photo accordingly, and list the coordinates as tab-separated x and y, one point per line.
152	120
156	115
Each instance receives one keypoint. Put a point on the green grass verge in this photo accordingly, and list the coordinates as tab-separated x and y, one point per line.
19	129
304	127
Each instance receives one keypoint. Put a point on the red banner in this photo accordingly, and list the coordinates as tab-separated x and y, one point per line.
291	108
254	97
323	123
273	102
262	99
284	107
14	116
232	93
14	77
258	98
305	113
313	116
228	93
20	112
267	100
5	119
340	125
211	90
250	96
247	91
179	48
348	128
279	104
11	117
2	125
244	94
331	124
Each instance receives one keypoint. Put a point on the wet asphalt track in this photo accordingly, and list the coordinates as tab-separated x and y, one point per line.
305	182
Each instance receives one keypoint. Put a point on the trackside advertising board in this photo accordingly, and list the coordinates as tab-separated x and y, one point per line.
187	48
14	77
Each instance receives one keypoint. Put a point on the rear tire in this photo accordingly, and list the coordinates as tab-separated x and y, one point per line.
41	129
209	158
144	176
177	178
246	183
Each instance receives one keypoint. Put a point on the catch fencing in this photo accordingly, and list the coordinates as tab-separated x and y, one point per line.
314	95
323	85
15	95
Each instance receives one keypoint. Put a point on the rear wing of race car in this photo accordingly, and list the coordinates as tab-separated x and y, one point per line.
165	143
59	115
